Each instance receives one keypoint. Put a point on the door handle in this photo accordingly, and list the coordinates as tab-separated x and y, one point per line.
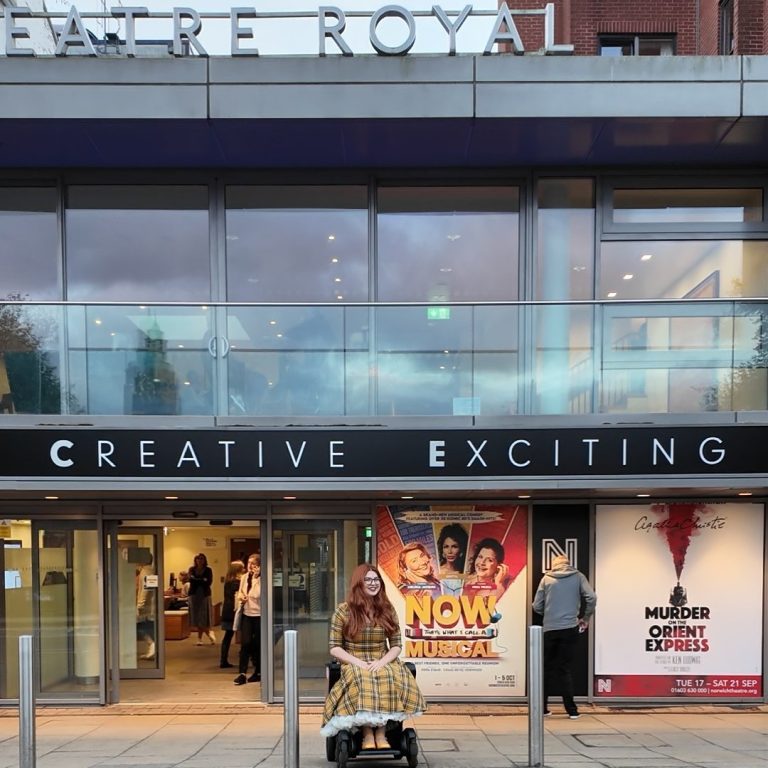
212	346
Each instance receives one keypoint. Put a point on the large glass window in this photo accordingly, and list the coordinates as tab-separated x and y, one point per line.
445	244
137	243
297	243
29	253
683	269
565	233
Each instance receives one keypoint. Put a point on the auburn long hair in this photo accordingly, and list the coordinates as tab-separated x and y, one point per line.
362	606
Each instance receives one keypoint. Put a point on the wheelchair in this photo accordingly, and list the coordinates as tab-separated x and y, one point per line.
346	745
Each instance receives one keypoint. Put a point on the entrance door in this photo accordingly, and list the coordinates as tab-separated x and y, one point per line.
311	562
137	595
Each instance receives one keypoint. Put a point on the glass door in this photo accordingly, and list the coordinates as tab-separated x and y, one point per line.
136	598
311	561
52	591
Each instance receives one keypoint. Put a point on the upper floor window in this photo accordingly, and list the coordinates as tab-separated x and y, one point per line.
454	243
712	207
137	242
29	252
725	37
297	243
637	45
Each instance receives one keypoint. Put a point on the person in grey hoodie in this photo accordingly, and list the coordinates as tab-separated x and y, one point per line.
567	602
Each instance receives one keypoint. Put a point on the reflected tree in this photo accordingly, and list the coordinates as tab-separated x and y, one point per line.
29	379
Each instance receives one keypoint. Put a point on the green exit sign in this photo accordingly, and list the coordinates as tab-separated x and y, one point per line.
438	313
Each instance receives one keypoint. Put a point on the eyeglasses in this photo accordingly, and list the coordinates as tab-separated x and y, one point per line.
374	580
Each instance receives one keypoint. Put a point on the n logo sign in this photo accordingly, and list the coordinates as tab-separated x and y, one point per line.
550	549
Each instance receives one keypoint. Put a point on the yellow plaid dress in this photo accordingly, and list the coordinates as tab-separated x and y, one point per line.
361	697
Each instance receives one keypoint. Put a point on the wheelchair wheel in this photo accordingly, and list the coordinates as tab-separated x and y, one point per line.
342	748
412	747
330	748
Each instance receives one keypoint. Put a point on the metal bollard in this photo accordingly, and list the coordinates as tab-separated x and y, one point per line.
291	707
535	697
26	704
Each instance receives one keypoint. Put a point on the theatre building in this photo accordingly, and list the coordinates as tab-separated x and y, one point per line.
450	312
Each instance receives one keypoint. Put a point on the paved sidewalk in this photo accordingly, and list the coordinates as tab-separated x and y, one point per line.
245	737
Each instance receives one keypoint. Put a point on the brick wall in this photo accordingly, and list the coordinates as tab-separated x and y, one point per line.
580	22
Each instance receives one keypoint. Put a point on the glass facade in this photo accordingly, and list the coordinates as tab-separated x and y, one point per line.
384	299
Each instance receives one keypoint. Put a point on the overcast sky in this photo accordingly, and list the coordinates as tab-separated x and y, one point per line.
300	36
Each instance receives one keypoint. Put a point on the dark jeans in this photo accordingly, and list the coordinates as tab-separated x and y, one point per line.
559	647
250	643
226	641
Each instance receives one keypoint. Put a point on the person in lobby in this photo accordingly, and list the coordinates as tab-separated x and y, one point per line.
374	687
561	594
200	609
231	587
249	598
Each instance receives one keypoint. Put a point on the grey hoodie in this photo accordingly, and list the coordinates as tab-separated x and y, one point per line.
559	597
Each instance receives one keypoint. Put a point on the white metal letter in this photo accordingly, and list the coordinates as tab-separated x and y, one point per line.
437	453
56	458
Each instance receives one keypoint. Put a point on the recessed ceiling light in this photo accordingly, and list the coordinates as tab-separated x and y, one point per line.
646	257
336	279
611	294
628	276
406	497
745	493
339	297
273	322
331	237
289	498
643	495
524	496
97	321
51	498
171	498
334	260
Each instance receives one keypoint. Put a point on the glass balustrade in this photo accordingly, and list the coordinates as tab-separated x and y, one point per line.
305	361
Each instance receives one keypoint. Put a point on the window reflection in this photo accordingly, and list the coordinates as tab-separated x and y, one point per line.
29	252
680	269
297	243
137	243
566	239
453	243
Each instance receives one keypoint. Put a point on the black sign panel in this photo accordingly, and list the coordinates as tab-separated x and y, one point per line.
366	453
562	530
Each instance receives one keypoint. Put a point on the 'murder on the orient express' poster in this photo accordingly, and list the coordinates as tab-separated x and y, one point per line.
679	600
457	577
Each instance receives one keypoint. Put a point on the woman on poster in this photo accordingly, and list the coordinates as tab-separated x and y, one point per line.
417	575
375	686
489	574
452	552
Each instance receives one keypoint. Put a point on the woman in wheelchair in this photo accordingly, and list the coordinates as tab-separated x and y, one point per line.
375	687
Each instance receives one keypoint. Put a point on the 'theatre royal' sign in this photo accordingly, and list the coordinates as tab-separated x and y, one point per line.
187	25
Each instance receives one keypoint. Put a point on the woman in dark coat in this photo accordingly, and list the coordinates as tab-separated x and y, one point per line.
200	611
